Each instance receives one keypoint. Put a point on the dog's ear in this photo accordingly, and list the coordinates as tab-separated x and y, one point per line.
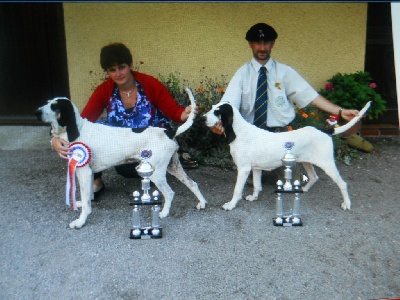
66	117
226	113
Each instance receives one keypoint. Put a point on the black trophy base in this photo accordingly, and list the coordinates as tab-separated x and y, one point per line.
145	233
292	191
287	222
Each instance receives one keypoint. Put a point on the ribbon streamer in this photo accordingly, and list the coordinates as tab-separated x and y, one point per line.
80	157
71	185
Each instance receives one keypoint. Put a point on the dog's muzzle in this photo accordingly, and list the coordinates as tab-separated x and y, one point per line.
38	114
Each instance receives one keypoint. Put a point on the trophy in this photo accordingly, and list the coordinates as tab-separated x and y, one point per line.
288	161
140	230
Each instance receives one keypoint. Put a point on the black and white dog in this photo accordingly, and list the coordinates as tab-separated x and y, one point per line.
111	146
255	149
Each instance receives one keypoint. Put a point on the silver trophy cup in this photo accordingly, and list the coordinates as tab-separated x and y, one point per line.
288	161
140	228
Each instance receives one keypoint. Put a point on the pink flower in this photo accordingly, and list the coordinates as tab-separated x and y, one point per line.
328	86
372	85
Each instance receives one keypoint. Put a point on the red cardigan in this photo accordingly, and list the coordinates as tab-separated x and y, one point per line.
155	92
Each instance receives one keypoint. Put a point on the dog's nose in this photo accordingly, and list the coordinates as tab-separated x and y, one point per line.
38	114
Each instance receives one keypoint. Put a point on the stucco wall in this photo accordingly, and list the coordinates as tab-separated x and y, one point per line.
207	39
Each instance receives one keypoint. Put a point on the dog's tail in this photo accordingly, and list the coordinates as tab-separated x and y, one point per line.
185	126
353	121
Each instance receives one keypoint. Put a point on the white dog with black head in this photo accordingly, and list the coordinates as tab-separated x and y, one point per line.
111	146
255	149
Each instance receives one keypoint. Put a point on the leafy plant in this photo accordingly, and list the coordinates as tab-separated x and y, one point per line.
354	91
206	147
309	116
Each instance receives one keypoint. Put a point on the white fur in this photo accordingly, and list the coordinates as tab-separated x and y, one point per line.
255	149
112	146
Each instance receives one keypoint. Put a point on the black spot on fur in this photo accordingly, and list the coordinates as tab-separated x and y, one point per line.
226	114
170	133
330	130
67	119
138	130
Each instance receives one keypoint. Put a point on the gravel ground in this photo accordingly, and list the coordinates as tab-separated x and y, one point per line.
209	254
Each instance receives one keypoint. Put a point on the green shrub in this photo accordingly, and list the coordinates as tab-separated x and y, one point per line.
206	147
354	91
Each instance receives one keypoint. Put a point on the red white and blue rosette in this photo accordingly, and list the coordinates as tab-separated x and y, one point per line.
81	153
79	157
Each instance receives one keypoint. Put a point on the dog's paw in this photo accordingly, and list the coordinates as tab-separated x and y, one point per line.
77	224
309	184
200	206
78	204
251	198
228	206
163	214
346	206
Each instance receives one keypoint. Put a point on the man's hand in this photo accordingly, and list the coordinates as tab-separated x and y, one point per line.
218	128
349	114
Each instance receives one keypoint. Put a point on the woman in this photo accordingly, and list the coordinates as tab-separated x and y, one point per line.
132	99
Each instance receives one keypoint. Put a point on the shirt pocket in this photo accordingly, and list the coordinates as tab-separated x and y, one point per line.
247	101
278	98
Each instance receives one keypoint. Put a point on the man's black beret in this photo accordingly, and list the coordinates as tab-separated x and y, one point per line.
261	31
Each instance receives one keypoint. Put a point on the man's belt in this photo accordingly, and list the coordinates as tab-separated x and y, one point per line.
275	128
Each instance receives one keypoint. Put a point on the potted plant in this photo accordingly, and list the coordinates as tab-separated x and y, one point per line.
354	91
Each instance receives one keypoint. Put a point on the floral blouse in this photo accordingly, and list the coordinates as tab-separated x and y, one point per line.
142	115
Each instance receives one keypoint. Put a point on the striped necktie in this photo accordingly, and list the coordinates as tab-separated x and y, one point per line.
260	115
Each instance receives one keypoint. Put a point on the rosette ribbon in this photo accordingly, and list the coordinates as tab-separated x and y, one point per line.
80	157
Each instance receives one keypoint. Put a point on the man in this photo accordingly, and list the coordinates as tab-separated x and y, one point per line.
284	89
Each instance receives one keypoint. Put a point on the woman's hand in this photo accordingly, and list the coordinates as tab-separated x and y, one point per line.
61	146
185	114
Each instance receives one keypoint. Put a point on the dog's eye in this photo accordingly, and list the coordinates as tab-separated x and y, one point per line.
216	112
54	106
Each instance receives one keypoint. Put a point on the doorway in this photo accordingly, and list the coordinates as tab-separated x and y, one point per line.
33	59
379	59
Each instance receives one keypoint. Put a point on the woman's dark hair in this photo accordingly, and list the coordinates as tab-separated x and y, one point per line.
114	54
